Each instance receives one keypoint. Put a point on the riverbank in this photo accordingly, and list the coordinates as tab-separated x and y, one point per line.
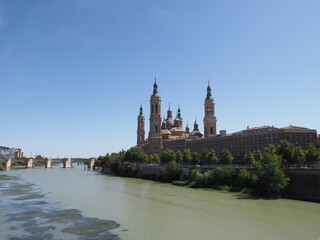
303	183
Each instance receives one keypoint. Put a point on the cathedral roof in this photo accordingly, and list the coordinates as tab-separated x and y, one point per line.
165	132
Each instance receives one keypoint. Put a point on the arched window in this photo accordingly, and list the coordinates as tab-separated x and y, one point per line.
156	108
151	108
156	128
211	130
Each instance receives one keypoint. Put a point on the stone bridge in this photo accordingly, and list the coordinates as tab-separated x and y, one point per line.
67	162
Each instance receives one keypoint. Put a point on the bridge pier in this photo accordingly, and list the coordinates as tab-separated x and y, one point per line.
67	163
8	164
48	163
29	163
91	164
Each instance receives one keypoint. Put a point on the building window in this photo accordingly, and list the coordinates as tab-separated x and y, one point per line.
152	108
156	128
211	130
156	108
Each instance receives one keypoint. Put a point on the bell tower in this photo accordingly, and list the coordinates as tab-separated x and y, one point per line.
155	121
140	130
209	120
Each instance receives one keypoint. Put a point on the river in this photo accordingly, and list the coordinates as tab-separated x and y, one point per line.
147	210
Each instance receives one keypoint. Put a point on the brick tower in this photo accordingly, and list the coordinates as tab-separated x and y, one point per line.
140	130
155	121
209	120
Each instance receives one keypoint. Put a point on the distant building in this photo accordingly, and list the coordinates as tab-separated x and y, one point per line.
18	153
168	133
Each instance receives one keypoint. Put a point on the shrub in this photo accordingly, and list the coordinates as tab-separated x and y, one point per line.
171	172
243	178
128	169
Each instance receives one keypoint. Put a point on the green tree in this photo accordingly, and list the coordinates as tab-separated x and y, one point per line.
220	176
128	169
194	173
154	158
167	156
171	172
270	149
210	157
226	157
135	154
271	179
299	155
187	156
286	150
243	178
312	154
195	158
259	155
111	162
249	158
179	157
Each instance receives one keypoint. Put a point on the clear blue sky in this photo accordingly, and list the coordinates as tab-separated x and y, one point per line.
74	72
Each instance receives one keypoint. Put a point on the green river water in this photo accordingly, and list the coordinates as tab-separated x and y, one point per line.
59	203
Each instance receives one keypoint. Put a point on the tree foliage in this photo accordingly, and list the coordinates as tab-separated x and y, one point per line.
271	179
128	169
210	157
312	154
171	172
135	154
286	150
179	157
299	155
226	157
187	156
167	156
249	158
195	158
154	158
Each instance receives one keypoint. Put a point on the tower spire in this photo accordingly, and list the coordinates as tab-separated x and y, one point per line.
141	110
209	95
155	87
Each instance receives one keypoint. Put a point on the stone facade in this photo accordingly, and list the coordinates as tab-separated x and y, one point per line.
173	136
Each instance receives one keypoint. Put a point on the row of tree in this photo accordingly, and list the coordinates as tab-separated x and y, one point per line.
266	178
289	153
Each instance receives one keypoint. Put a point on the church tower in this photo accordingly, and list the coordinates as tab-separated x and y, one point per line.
140	130
209	120
155	121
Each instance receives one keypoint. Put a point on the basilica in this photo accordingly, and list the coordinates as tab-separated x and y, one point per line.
169	133
169	128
